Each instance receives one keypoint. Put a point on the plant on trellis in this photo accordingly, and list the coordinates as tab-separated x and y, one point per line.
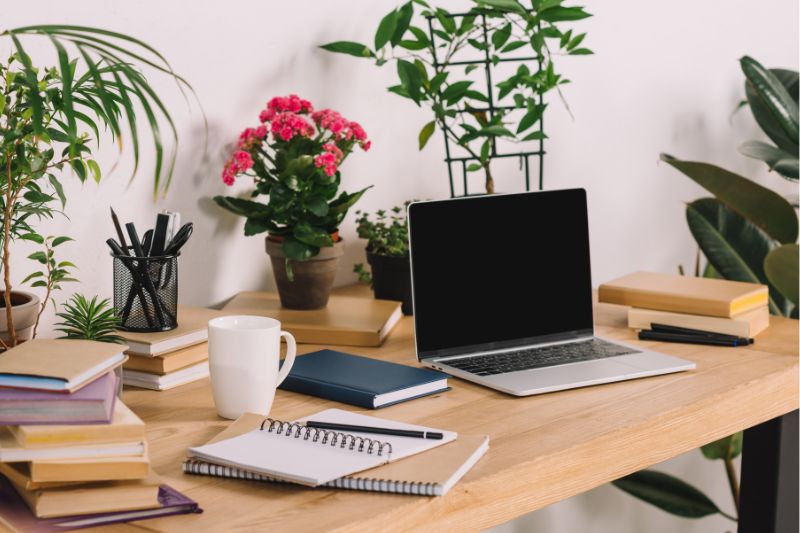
431	70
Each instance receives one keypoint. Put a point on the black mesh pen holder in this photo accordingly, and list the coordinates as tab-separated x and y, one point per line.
146	292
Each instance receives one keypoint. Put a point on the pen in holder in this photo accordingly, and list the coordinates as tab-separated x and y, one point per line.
146	292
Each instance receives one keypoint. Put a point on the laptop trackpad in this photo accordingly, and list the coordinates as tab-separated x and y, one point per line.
564	376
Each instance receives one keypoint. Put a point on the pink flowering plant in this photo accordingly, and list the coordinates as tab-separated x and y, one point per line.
294	156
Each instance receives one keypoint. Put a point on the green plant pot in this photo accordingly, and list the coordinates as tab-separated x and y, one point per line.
313	279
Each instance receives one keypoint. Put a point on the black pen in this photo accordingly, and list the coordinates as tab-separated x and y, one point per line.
648	335
117	227
380	431
689	331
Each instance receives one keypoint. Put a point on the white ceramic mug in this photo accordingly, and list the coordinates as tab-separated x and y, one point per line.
243	355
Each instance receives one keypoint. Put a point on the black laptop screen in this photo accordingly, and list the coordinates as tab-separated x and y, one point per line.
500	271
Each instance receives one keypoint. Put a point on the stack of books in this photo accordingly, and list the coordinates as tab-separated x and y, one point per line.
679	308
167	359
68	446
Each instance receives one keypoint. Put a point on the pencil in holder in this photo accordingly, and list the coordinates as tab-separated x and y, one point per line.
146	292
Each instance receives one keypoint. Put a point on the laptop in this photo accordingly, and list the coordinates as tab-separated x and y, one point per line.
502	295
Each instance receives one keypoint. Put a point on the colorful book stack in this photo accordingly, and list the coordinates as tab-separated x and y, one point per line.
679	308
68	446
167	359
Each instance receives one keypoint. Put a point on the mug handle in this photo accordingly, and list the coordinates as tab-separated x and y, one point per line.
288	361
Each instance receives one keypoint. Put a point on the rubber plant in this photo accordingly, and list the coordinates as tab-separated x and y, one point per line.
51	120
747	232
431	72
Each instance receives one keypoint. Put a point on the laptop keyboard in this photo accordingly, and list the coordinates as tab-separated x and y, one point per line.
559	354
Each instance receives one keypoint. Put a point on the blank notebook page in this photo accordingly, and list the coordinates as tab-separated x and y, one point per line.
313	463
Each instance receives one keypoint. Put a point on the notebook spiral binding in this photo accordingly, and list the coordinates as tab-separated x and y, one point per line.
202	468
323	436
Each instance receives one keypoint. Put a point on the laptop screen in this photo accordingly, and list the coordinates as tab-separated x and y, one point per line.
500	271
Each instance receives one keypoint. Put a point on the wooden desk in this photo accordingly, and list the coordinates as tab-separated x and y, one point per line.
543	448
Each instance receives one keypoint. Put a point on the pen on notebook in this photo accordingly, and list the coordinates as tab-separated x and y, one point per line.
689	331
434	435
687	339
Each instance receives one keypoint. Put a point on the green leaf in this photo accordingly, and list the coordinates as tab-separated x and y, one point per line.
32	276
781	267
668	493
58	188
784	163
763	115
761	206
455	91
404	15
410	79
348	47
504	5
33	237
575	41
563	14
728	447
313	236
38	256
472	167
94	168
254	226
61	240
580	52
496	131
774	95
425	133
513	45
446	20
242	207
535	136
345	201
386	29
530	118
735	247
500	36
297	250
2	103
317	205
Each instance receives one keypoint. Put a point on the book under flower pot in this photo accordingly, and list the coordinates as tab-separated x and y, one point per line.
391	279
313	278
24	309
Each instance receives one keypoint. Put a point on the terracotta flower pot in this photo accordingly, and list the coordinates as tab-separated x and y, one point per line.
313	279
24	308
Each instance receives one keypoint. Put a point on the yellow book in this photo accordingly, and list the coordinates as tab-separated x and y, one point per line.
347	320
169	362
192	329
91	498
125	426
747	324
684	294
82	470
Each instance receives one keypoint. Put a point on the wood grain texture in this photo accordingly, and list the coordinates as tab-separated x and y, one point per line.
543	448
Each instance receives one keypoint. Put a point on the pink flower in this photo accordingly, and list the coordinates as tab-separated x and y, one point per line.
366	145
287	124
240	162
252	136
291	103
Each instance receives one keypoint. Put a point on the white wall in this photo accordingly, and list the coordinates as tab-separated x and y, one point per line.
665	78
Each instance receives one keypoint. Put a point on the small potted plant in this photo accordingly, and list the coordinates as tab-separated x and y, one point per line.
294	157
387	255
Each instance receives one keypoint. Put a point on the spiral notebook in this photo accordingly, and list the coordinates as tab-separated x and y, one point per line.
432	473
291	452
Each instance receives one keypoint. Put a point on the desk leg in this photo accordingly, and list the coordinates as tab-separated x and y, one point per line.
769	494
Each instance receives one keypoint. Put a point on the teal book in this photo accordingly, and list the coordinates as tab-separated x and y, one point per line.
361	381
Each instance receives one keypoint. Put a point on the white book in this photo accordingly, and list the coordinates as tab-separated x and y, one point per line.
183	376
292	452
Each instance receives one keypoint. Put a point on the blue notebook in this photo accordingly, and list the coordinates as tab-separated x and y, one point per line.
359	380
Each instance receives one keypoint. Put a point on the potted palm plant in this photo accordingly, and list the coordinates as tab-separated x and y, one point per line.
294	157
387	255
49	122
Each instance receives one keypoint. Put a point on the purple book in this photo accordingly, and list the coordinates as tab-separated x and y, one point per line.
93	404
15	513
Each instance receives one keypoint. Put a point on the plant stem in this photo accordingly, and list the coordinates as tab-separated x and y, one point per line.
732	480
12	332
489	179
47	294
